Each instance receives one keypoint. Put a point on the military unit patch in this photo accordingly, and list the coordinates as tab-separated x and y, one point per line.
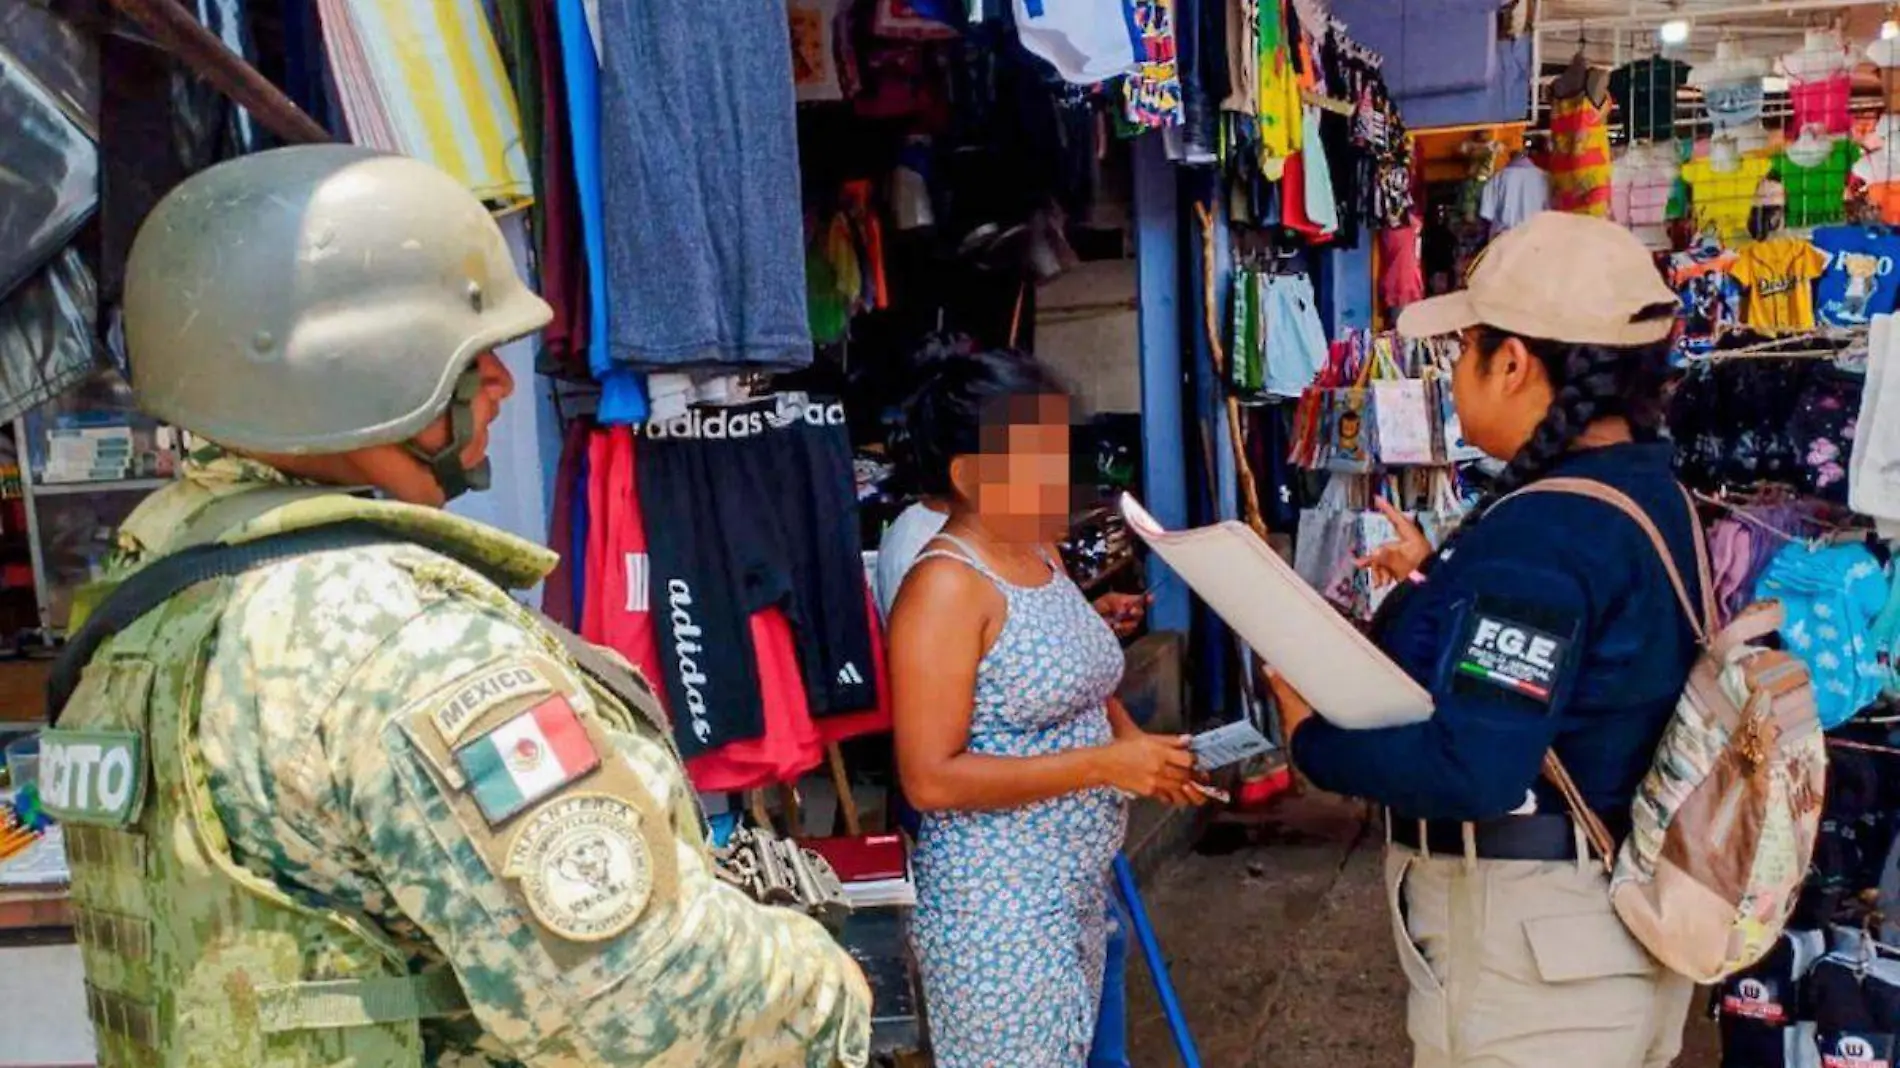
584	866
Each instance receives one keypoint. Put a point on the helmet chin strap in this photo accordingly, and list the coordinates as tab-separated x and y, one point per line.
446	465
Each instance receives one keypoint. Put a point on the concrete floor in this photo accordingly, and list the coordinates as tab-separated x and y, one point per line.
1281	952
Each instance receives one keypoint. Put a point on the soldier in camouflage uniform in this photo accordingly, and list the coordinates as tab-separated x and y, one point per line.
359	806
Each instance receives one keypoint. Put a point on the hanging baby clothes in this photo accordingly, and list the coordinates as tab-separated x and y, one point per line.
1641	189
1859	281
1733	106
1830	597
1722	197
1822	105
1711	297
1819	83
1645	94
1816	185
1579	161
1400	280
1778	275
1279	342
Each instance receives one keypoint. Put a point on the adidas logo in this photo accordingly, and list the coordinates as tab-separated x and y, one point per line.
849	675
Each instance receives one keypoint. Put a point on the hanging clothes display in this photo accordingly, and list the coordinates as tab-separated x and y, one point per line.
706	265
1579	159
1859	281
1642	188
761	510
1645	95
1722	189
426	80
749	607
1279	344
1514	194
623	396
1819	83
1814	171
1703	276
1829	597
1778	277
1086	43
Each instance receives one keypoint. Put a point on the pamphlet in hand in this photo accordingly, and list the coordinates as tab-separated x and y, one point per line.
1335	667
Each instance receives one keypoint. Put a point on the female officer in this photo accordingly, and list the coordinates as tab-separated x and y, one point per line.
1502	918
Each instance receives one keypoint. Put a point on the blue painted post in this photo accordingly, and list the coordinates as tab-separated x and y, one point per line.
1163	420
1157	963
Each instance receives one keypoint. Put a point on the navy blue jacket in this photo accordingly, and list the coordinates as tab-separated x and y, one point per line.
1551	622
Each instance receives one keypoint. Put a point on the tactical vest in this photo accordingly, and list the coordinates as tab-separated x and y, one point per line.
191	960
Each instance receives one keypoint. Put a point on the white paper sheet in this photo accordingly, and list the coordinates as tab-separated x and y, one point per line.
1344	676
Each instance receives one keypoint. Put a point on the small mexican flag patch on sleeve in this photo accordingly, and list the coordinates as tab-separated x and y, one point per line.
527	758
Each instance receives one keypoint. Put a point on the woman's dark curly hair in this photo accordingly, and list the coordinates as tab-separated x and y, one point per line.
959	395
1588	383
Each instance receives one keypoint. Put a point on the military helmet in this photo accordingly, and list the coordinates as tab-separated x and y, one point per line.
319	299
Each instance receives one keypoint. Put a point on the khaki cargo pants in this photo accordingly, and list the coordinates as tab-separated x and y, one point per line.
1522	964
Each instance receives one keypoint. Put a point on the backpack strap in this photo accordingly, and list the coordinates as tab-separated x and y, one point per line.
1703	622
173	573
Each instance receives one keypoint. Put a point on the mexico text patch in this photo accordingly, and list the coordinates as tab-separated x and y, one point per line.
528	757
487	689
1512	655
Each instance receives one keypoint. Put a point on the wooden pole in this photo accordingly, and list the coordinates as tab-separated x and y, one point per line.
174	28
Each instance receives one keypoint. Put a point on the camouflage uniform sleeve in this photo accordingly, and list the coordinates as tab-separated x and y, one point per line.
458	780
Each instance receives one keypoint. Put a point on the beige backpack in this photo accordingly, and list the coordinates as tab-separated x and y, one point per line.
1724	824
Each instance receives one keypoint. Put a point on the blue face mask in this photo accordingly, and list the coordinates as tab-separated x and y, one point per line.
1733	105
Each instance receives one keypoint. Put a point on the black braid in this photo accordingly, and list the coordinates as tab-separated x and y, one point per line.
1590	382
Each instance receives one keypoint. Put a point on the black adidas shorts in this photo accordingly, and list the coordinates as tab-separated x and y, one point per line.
746	508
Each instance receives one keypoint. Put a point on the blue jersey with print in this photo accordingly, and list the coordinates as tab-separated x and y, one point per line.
1859	281
1549	623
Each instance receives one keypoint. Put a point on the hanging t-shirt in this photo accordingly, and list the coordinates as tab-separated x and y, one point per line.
1645	94
1514	194
1859	281
1778	275
1711	298
1579	161
1733	104
1817	191
1822	103
1722	198
1641	190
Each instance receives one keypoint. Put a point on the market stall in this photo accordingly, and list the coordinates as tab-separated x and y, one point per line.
1748	148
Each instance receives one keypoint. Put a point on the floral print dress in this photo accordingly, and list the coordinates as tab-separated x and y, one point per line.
1010	928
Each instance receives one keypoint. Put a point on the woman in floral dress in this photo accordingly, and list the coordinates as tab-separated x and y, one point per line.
1009	739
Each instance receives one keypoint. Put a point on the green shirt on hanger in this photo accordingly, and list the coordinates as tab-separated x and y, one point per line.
1817	193
1645	94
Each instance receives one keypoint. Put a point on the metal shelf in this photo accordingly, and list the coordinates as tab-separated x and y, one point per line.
123	485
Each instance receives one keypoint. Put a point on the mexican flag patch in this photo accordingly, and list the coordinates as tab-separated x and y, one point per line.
527	758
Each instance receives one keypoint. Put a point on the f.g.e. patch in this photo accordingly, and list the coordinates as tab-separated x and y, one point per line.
1512	655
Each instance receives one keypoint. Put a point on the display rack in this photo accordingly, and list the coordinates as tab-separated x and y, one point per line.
31	489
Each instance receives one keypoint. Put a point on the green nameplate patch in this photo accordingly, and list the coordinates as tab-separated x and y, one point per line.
92	777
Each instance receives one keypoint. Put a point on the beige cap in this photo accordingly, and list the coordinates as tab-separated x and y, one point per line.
1557	276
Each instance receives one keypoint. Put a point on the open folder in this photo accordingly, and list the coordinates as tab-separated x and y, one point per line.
1337	669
